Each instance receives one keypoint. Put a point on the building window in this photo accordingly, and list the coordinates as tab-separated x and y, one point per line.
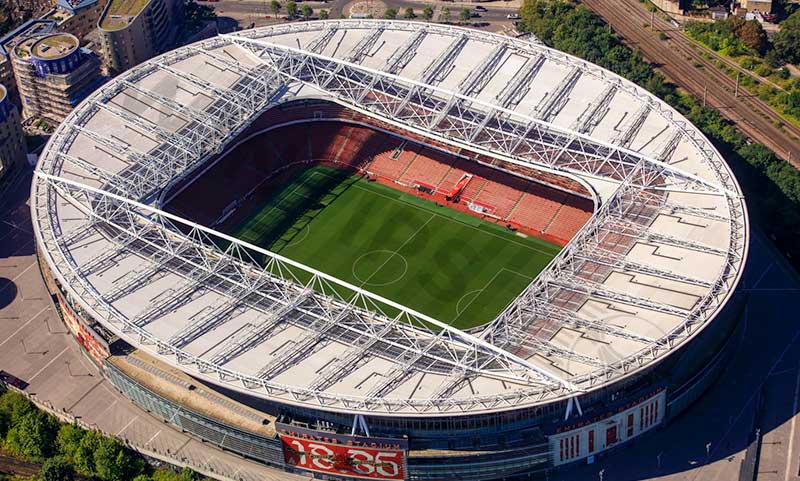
591	440
630	425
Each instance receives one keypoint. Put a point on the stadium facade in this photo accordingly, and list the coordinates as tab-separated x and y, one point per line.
623	330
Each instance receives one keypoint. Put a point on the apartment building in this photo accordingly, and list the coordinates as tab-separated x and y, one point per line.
135	30
78	17
53	72
12	139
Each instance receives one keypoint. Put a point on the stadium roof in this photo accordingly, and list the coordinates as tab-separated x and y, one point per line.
654	265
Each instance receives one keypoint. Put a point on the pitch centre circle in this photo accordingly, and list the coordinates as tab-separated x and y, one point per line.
380	267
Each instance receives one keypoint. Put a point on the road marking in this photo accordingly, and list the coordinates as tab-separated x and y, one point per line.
752	396
30	379
126	426
761	277
152	438
15	226
106	409
23	326
794	425
17	276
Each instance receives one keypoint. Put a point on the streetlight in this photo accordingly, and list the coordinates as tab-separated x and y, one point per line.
658	459
600	474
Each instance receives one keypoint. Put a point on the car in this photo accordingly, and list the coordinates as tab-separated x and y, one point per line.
474	14
512	16
480	9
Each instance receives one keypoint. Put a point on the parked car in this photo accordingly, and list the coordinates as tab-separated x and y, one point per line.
481	9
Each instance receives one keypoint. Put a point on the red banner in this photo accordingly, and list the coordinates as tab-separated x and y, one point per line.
342	459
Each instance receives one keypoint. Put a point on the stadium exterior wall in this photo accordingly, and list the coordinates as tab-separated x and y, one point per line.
512	443
509	441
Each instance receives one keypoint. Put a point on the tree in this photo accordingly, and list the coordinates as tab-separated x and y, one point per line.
307	11
83	457
15	406
390	13
113	462
56	468
34	436
68	440
753	36
409	13
787	41
445	15
323	14
427	12
291	9
275	7
464	15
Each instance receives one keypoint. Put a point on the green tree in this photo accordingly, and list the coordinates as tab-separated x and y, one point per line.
409	13
56	468
83	457
33	436
445	15
291	9
390	13
464	15
787	41
168	475
113	462
15	406
324	15
427	12
68	440
307	11
275	7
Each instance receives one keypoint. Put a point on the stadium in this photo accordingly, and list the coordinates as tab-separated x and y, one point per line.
414	251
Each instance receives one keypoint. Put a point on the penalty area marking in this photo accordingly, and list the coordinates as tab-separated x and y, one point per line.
305	232
480	291
458	304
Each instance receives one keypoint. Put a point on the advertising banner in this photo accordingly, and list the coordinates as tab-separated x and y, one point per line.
352	456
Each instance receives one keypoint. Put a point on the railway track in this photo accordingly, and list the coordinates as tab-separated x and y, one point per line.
676	57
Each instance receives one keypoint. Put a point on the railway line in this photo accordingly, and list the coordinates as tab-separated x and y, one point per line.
752	115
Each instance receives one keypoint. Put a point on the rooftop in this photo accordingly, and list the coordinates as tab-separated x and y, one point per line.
55	46
24	31
650	271
120	13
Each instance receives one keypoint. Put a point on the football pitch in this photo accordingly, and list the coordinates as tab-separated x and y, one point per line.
449	265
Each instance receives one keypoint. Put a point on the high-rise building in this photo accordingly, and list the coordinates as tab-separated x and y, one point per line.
133	31
7	43
12	139
52	71
78	17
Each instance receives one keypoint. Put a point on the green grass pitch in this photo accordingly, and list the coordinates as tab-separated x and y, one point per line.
449	265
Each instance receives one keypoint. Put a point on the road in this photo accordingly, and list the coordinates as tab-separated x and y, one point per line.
257	12
677	56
